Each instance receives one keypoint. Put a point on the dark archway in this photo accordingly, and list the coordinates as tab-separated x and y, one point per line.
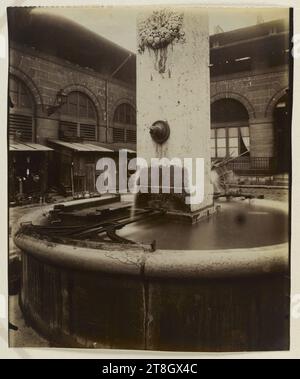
282	134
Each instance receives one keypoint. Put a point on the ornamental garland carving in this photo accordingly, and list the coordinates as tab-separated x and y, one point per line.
159	31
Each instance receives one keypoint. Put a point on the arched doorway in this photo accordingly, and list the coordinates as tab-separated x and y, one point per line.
230	134
282	133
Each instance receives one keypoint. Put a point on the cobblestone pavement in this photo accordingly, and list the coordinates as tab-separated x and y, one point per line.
25	336
14	215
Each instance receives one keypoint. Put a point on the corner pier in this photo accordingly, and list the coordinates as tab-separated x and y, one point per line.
173	89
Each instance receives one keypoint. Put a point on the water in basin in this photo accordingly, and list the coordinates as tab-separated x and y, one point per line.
239	224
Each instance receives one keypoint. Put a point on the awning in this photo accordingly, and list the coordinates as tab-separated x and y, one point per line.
81	147
119	146
21	146
129	151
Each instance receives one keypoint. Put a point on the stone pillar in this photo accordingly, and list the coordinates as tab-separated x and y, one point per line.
262	138
102	134
46	129
173	85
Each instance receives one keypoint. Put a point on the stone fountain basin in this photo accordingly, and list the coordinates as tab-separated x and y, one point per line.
130	297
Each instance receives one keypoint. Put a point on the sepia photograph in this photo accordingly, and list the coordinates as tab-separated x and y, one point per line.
149	177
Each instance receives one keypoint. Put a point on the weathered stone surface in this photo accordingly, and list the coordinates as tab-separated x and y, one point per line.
180	95
45	75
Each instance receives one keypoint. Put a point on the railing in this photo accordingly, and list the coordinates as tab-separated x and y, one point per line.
252	165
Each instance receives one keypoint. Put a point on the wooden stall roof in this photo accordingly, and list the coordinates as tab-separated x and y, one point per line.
129	151
28	146
119	146
81	147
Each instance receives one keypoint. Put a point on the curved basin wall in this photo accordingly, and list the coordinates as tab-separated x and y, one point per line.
166	300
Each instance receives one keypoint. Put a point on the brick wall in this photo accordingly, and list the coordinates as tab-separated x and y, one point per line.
46	75
259	92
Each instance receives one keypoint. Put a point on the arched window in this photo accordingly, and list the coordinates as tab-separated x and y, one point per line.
124	129
125	114
230	134
21	111
78	117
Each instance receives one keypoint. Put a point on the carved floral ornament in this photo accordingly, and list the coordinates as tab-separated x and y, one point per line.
157	32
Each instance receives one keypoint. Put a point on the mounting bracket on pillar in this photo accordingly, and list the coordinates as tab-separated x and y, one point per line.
160	131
